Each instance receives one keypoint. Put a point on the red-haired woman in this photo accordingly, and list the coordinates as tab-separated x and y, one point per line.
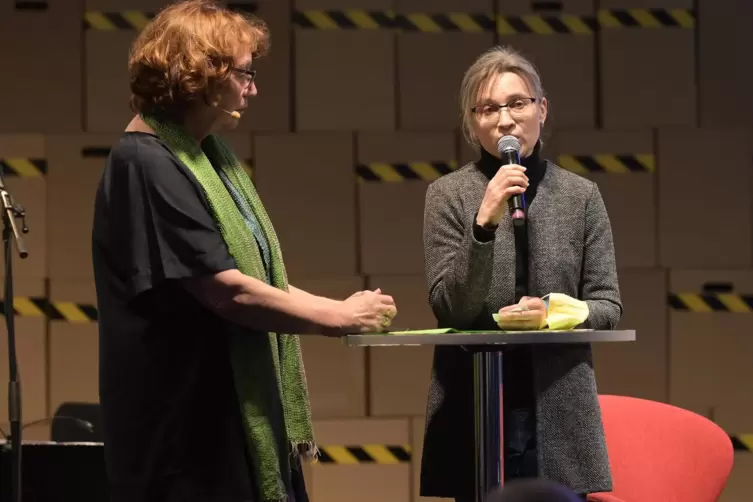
202	386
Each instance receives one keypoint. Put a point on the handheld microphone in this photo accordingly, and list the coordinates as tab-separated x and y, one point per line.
235	115
509	151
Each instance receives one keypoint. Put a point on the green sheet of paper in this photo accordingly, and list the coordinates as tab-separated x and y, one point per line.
437	331
440	331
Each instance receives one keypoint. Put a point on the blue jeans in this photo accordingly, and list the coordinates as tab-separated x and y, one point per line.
520	444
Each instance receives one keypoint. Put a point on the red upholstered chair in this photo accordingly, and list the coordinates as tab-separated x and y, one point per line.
660	452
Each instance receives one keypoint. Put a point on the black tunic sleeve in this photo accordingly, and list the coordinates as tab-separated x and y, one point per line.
159	221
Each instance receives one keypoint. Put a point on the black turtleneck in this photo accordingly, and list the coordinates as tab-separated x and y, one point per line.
488	164
517	369
535	170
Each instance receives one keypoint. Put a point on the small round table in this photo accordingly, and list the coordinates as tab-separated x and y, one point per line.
486	347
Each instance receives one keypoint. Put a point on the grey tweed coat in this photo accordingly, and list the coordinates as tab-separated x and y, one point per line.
571	251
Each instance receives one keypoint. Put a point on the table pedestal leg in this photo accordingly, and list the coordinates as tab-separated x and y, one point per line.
487	377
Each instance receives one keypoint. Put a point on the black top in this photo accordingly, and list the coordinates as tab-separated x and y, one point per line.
172	428
517	360
535	170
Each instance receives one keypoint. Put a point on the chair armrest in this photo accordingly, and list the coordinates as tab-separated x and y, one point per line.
603	497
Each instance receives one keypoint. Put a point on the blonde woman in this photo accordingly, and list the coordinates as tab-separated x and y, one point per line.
478	263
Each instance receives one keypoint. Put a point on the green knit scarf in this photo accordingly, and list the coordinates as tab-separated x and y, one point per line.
277	424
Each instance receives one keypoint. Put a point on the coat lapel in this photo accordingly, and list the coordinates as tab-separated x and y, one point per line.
555	239
540	213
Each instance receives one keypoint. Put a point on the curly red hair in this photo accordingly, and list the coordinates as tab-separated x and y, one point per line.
187	52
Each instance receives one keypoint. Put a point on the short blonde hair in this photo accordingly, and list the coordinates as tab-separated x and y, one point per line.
495	61
187	51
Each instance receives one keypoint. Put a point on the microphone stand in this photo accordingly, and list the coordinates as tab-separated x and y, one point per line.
12	211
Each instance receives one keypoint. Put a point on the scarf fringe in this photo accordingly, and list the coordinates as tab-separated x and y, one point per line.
306	449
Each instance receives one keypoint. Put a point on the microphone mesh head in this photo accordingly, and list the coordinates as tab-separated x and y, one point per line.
508	143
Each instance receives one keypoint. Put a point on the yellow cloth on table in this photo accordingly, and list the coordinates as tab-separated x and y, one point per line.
563	312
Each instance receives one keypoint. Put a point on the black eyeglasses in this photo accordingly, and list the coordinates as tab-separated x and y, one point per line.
516	106
251	74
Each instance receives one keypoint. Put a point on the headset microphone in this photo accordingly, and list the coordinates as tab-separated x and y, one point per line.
234	114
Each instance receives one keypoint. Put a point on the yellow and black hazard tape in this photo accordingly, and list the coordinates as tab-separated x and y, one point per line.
646	18
381	172
711	302
349	19
365	454
546	24
53	310
502	25
537	24
137	20
24	167
424	22
608	163
115	21
742	442
450	22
